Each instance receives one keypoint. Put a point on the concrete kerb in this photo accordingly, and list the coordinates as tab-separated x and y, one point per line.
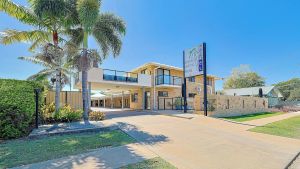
75	131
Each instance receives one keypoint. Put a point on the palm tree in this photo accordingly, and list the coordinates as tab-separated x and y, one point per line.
49	17
106	28
48	59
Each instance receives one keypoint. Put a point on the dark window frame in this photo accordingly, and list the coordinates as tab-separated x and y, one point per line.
163	93
134	97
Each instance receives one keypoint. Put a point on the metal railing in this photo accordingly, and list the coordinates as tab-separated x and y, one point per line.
169	80
121	76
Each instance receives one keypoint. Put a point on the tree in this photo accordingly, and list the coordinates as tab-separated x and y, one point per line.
106	28
48	59
243	77
289	89
49	18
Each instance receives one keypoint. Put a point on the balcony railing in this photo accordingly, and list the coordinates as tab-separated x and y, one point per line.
121	76
168	80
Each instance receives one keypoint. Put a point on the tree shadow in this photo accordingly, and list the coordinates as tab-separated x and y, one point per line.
141	136
112	157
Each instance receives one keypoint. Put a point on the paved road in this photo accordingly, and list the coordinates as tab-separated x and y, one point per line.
209	143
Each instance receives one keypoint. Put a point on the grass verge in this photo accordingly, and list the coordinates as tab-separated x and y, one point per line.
249	117
287	128
154	163
21	152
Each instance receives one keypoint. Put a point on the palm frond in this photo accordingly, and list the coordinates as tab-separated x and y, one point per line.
108	37
44	72
19	12
37	59
10	36
113	21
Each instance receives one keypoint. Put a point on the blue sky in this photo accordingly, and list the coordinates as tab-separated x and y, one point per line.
264	34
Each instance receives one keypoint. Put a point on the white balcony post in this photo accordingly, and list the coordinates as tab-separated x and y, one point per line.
143	98
104	102
122	100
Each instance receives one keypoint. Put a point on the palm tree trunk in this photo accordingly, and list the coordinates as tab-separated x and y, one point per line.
84	80
57	91
58	76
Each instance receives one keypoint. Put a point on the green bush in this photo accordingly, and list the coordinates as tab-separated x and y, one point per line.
96	116
17	107
65	114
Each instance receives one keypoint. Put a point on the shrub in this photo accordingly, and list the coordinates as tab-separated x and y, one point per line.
17	107
65	114
96	116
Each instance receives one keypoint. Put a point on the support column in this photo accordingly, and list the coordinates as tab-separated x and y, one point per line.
122	100
104	102
111	102
143	98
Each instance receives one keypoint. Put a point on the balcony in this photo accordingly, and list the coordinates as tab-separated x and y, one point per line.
168	80
120	76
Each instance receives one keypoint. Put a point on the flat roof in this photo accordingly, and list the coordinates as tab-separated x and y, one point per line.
166	66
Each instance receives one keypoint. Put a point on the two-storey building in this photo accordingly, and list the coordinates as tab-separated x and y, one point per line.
149	86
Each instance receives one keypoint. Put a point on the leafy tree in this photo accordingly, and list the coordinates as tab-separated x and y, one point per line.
290	88
49	18
243	77
106	28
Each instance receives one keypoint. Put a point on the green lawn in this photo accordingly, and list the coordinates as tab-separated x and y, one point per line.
154	163
253	116
18	152
287	128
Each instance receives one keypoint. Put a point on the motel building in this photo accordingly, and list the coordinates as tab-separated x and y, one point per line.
151	86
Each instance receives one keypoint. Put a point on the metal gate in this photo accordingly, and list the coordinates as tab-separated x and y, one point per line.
174	103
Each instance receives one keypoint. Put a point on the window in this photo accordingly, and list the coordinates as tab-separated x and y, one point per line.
192	95
192	79
209	81
162	94
134	97
255	104
243	103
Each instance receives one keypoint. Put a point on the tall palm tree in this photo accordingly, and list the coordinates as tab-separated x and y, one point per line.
106	28
48	59
49	18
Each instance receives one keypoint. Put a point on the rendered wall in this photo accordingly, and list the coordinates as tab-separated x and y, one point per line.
225	106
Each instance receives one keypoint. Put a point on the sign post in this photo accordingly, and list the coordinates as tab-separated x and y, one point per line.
204	80
194	64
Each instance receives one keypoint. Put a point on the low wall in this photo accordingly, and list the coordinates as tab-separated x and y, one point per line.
225	106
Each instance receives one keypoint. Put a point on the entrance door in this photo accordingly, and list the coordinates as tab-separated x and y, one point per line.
147	100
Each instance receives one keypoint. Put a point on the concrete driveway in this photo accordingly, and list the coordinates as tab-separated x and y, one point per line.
203	142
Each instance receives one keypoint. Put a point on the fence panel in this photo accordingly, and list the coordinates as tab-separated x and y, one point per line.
72	98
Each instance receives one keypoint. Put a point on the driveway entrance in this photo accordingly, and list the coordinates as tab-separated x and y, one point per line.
204	142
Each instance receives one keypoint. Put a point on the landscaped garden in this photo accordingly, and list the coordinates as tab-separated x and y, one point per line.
287	128
21	152
154	163
256	116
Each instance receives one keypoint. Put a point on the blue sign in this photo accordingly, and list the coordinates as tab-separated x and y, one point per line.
200	65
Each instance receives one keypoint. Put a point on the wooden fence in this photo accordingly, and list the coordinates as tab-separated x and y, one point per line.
73	98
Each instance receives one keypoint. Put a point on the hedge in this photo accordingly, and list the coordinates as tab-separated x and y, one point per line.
17	107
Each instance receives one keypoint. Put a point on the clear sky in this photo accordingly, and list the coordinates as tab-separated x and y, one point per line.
264	34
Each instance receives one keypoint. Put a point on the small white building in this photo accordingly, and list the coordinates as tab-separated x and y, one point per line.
270	92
